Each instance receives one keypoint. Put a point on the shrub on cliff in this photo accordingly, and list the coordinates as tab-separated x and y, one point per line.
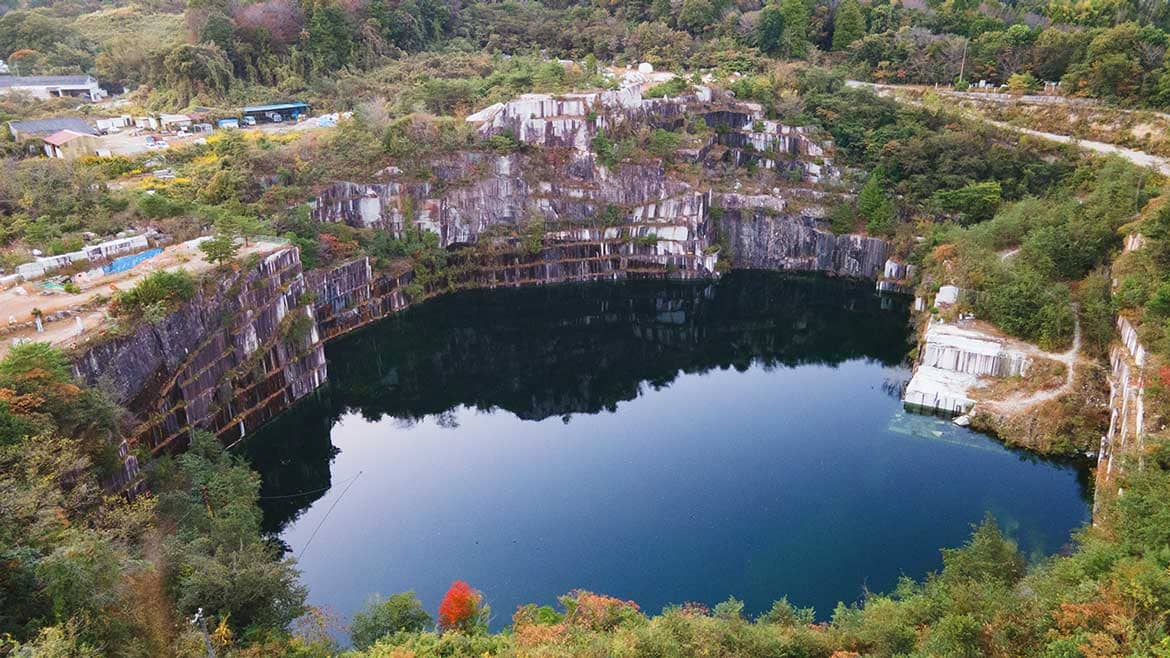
675	86
158	293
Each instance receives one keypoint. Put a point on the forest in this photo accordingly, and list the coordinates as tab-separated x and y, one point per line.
219	52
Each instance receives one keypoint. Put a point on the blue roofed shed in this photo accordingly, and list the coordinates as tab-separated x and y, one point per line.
282	110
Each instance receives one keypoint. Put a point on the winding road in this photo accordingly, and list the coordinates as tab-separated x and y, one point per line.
1017	403
1140	158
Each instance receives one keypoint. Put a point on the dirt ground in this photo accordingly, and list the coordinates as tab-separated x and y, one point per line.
17	303
131	142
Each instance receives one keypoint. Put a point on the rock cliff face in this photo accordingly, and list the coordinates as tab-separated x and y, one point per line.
590	212
1127	408
636	216
952	358
228	360
762	238
246	348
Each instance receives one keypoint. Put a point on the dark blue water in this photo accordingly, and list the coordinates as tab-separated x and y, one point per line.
653	441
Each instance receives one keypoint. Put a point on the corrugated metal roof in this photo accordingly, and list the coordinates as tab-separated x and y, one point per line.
277	106
50	126
46	81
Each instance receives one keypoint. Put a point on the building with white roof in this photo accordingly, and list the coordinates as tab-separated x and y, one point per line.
53	86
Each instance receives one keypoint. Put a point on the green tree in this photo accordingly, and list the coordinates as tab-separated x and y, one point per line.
220	561
874	207
1022	83
770	29
1158	307
221	248
696	15
955	635
975	202
244	227
794	40
29	367
988	556
331	41
848	25
191	71
381	617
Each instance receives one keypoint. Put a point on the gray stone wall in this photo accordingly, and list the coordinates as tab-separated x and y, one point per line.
227	361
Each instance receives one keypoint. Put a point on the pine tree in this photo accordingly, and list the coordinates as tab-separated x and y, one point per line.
849	25
794	40
770	29
875	207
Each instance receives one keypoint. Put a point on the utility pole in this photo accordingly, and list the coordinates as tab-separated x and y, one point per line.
202	621
963	64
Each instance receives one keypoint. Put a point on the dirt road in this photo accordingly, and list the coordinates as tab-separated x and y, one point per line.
1157	163
1018	403
17	303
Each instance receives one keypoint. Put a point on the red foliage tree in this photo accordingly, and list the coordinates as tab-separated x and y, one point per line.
460	606
281	20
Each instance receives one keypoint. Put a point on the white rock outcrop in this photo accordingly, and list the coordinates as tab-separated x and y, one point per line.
952	359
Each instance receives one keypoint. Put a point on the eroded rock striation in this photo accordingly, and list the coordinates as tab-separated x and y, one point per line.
636	215
238	353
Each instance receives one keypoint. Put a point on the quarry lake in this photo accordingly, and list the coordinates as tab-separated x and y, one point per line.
660	442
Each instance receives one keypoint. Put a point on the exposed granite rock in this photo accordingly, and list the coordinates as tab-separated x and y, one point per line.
632	215
227	361
351	295
761	235
1127	405
897	277
952	359
603	220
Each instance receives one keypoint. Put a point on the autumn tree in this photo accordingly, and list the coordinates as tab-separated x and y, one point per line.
461	608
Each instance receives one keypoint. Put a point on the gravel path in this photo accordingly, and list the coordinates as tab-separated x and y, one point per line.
1015	404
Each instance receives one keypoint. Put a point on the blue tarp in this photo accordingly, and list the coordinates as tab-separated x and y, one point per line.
129	262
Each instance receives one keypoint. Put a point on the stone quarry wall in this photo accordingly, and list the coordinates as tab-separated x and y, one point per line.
227	361
619	209
958	358
763	237
952	358
659	222
1127	417
223	362
351	296
651	222
741	132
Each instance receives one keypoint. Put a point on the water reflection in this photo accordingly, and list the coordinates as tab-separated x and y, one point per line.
563	350
660	442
